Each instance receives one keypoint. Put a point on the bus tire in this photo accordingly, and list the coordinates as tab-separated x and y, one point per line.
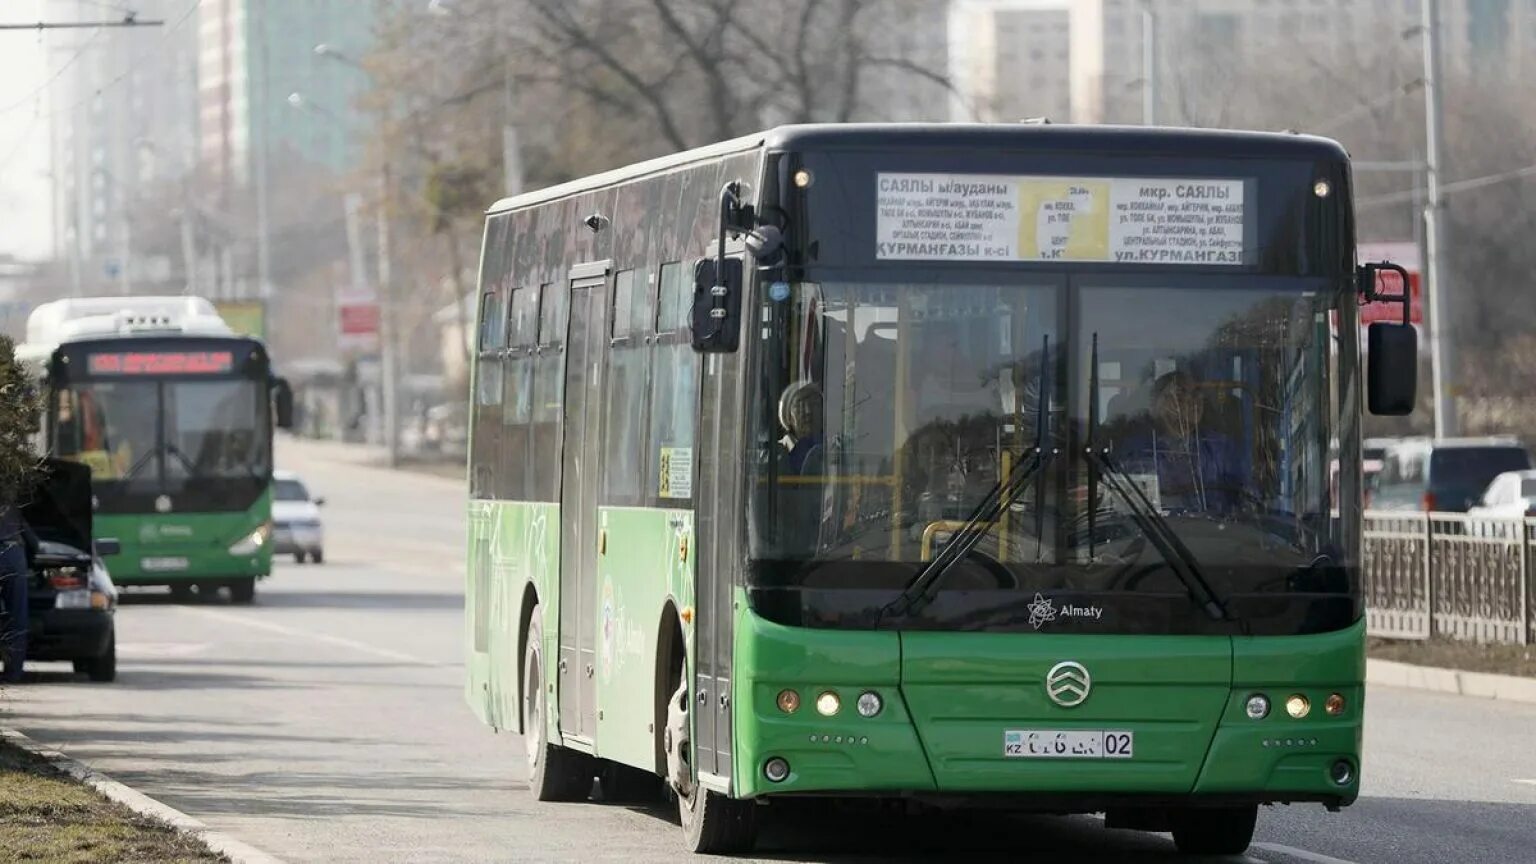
1214	830
243	591
555	773
713	824
181	592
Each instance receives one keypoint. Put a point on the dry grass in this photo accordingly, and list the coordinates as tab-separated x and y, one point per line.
1448	654
48	817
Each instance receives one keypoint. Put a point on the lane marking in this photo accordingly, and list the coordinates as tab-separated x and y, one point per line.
1525	781
1292	851
339	641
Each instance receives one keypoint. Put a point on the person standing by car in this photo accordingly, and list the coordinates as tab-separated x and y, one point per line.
17	546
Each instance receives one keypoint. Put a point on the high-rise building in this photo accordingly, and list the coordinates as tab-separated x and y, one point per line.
253	55
908	39
122	118
1009	59
1202	44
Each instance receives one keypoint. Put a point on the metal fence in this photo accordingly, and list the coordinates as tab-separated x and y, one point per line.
1450	575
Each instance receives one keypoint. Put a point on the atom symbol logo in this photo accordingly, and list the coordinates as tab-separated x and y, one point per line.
1041	612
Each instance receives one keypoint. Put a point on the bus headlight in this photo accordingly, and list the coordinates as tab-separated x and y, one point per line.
869	703
253	542
828	704
1257	707
1297	706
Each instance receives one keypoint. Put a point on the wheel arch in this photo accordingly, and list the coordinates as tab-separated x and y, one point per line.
530	602
671	656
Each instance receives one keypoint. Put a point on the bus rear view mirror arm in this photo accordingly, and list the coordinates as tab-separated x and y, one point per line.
1392	362
282	403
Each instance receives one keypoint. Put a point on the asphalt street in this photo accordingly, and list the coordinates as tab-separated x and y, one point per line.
327	723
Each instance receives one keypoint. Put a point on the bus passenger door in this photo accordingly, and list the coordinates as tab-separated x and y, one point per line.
578	508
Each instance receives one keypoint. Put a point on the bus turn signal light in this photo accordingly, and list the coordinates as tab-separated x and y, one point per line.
789	701
1335	704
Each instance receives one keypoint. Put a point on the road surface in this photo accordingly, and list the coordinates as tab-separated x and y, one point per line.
326	723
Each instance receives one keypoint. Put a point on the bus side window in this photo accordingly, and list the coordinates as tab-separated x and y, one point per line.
515	468
674	403
548	392
624	467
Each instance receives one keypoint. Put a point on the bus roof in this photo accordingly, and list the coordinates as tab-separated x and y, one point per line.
1129	140
62	321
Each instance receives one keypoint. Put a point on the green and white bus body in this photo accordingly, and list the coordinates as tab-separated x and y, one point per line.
172	412
867	508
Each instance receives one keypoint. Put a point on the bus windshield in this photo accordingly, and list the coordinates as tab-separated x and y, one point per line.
886	413
173	437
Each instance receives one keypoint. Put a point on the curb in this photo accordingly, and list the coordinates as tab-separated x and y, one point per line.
1483	685
236	851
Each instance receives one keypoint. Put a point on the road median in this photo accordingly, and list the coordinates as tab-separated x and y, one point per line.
56	808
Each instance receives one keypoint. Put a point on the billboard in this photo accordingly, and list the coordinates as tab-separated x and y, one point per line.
246	317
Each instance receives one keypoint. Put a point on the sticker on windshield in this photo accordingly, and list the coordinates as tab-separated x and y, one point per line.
1125	220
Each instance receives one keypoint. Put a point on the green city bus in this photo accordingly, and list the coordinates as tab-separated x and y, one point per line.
174	414
959	465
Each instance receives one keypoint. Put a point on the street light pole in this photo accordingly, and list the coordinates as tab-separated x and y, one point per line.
388	359
1442	345
264	126
387	344
1148	65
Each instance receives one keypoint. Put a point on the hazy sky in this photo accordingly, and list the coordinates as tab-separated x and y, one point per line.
24	105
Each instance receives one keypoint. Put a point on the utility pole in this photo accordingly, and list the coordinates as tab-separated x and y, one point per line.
387	342
1441	319
1148	65
264	129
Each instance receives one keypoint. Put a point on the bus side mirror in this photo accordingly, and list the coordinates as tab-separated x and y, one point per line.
717	305
282	403
1392	369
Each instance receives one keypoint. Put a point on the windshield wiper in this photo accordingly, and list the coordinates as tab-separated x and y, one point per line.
185	462
1002	495
1143	511
139	465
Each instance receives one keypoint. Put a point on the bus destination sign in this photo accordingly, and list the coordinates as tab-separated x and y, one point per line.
1121	220
161	363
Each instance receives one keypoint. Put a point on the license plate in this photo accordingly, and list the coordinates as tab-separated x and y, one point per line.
160	565
1068	744
72	600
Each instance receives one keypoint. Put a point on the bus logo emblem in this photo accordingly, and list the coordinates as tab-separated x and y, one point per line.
1068	684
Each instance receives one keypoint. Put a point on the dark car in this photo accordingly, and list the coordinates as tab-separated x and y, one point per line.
1448	475
72	600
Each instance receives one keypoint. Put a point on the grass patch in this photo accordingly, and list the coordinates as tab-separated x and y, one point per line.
1450	654
49	817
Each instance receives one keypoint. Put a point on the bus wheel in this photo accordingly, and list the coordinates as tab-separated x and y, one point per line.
243	591
712	823
181	592
555	773
1214	830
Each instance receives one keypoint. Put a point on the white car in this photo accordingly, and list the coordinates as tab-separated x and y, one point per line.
296	528
1511	495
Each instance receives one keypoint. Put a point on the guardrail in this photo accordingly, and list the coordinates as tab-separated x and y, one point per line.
1447	574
